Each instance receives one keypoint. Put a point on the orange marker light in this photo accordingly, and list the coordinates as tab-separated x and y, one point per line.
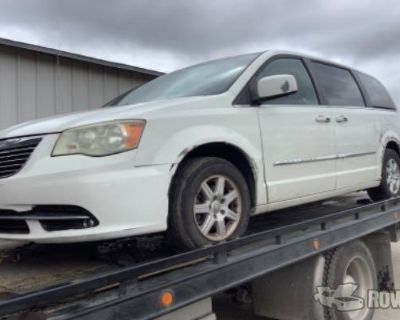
134	132
316	244
167	299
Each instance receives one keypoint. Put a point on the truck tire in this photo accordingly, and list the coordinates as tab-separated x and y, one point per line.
390	183
352	263
209	203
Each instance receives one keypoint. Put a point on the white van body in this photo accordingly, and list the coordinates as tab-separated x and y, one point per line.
298	153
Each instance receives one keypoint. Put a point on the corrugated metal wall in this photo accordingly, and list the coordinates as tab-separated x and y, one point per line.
34	84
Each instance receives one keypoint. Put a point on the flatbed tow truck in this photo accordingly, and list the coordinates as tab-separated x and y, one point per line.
280	264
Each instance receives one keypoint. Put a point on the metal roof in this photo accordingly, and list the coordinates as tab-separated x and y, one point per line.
74	56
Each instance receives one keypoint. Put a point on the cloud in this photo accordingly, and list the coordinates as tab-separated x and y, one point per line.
166	35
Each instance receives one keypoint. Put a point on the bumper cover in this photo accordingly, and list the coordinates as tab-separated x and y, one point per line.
125	200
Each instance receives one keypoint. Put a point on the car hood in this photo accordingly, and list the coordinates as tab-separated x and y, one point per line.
59	123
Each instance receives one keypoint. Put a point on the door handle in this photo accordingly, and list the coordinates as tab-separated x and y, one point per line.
322	119
342	119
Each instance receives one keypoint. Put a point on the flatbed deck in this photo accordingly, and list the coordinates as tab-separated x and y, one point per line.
31	267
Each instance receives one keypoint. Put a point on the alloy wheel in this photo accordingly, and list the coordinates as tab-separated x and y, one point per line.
217	208
393	176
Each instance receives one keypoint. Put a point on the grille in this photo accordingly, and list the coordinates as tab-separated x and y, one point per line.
14	153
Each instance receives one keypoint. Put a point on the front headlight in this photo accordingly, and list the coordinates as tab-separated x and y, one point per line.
100	139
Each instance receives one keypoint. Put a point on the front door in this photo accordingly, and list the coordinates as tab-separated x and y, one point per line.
298	138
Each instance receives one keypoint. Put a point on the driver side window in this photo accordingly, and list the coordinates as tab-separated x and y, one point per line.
306	93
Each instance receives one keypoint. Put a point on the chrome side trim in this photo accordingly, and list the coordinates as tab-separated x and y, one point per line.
323	158
297	161
355	154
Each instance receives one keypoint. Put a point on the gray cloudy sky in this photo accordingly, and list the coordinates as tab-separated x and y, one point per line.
169	34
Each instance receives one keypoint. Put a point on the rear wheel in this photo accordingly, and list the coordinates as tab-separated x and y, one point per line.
350	267
390	184
210	202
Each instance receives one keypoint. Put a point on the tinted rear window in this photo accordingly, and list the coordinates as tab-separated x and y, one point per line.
338	85
377	93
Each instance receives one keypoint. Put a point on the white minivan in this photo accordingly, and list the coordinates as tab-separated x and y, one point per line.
198	151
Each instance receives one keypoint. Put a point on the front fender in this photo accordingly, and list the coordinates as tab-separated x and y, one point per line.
182	142
172	147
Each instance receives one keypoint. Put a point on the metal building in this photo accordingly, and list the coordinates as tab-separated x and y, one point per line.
37	81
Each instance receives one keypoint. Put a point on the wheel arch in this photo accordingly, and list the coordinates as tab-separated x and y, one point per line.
389	140
393	145
229	152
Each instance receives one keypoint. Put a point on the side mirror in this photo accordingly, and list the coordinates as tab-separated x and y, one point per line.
275	86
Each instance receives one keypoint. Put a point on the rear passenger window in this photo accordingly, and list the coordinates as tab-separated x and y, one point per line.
338	85
377	93
305	94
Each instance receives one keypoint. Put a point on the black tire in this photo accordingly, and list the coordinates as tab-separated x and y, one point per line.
337	264
383	192
183	228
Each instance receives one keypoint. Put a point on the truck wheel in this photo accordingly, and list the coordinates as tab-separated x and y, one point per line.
347	265
390	184
209	203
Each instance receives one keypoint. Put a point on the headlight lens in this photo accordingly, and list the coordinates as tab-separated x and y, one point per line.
100	139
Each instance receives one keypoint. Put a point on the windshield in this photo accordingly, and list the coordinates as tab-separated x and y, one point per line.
204	79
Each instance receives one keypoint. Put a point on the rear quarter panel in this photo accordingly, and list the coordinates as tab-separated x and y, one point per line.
390	131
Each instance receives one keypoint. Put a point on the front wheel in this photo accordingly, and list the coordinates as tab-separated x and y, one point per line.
210	202
390	183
